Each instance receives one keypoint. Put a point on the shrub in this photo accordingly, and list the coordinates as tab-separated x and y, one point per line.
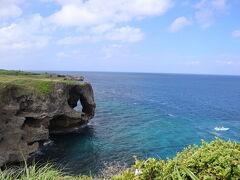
216	160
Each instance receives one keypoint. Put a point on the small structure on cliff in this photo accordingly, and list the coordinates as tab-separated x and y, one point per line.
34	105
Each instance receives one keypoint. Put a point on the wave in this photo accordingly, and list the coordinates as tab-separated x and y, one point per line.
171	115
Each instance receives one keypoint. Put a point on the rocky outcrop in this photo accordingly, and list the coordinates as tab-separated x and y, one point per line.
26	120
66	77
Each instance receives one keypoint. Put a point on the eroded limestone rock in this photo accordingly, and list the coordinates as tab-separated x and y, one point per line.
27	120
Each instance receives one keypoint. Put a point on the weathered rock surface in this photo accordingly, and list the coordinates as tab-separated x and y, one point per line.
27	120
67	77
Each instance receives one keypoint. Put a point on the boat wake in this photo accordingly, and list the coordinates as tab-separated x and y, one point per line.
171	115
221	129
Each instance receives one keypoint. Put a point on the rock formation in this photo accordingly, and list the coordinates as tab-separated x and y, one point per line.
26	120
66	77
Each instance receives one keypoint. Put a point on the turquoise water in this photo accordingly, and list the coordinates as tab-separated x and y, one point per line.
148	115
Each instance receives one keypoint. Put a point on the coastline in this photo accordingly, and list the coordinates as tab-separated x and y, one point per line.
121	122
35	105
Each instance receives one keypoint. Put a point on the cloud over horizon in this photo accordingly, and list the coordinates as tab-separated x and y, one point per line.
179	23
136	32
95	12
100	20
25	34
207	10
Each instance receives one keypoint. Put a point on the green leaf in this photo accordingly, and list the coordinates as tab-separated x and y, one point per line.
190	173
178	174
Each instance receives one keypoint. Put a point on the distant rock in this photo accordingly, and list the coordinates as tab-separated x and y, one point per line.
74	78
66	77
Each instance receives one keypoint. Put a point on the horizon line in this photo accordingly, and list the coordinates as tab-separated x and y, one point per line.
136	72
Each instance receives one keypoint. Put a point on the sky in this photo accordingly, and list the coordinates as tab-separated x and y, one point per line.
158	36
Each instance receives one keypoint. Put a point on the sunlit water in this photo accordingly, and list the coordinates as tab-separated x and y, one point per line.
148	115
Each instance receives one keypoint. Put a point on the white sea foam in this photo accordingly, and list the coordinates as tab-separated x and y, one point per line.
171	115
221	129
48	143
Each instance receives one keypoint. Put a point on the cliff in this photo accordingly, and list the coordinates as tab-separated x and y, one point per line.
34	105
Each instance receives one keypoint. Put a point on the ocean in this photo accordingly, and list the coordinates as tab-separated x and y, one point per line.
147	115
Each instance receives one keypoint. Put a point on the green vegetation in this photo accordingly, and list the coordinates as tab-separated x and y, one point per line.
14	73
215	160
45	87
218	160
27	82
34	173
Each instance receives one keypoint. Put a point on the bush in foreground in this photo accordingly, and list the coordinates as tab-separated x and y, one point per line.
218	160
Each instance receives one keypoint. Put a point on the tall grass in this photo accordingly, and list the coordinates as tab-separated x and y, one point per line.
35	172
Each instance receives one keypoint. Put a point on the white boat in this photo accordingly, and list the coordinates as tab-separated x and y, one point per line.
221	129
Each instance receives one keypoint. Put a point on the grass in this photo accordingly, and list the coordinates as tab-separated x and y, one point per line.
27	82
15	73
46	172
217	160
45	87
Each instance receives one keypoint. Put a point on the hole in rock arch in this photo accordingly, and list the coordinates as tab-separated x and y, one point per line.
77	102
78	107
74	100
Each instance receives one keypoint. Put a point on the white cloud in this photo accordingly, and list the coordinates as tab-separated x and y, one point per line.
189	62
102	28
70	40
69	54
205	17
219	4
97	12
179	23
193	63
61	55
236	34
20	36
125	34
212	4
207	9
9	9
97	19
112	50
229	63
185	3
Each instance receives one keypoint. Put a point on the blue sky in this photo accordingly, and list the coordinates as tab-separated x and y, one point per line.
163	36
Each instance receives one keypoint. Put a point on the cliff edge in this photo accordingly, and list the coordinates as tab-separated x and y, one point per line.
34	105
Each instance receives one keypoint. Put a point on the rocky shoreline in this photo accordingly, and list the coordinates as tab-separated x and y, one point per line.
27	119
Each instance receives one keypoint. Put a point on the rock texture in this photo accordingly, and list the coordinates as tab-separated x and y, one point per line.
66	77
27	120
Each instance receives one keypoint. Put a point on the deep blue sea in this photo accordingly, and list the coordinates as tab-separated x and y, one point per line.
148	115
